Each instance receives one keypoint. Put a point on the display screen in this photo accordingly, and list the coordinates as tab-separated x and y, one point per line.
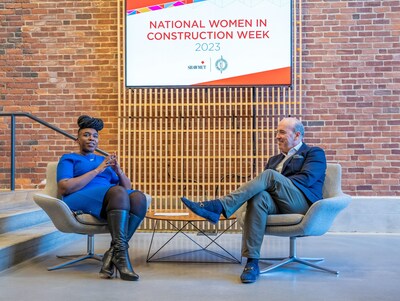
208	43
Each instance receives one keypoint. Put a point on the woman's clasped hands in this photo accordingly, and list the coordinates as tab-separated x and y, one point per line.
112	161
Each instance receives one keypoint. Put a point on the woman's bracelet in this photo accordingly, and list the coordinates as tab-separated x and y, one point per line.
96	171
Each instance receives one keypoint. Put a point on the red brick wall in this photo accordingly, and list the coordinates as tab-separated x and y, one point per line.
351	73
58	60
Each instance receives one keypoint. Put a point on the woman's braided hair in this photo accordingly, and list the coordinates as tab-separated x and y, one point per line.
87	122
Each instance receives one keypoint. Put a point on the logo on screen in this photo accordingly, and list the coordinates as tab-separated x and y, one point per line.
221	64
200	66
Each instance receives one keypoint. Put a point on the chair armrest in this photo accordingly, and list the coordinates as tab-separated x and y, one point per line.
63	218
148	199
320	216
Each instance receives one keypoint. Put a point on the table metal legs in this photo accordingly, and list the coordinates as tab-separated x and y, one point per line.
225	254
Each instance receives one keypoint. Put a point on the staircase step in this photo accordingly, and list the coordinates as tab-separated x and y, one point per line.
25	229
21	217
17	199
27	243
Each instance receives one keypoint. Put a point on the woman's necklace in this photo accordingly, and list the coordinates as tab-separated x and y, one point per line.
89	156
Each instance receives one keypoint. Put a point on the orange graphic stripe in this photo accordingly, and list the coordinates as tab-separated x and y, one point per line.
280	76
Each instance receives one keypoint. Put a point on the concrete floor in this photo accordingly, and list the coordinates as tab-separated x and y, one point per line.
367	264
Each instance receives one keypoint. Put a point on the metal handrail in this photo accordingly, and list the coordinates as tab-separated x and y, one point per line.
13	115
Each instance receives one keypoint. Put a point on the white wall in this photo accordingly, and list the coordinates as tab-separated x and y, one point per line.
370	215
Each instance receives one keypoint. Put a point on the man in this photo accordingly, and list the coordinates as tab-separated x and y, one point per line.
290	183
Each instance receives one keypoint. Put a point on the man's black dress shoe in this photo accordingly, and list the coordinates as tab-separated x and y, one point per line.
250	273
208	210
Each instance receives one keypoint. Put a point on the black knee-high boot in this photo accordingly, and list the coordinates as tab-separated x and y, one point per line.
107	270
134	223
118	224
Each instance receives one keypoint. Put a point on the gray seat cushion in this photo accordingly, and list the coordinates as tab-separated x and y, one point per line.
284	219
89	219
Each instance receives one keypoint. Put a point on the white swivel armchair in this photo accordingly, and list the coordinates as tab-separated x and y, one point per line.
315	222
67	221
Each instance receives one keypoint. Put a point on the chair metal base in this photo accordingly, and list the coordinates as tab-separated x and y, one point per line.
293	258
77	258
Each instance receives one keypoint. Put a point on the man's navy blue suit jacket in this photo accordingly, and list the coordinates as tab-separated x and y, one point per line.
306	169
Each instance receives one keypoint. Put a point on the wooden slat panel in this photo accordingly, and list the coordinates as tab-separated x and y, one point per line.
200	142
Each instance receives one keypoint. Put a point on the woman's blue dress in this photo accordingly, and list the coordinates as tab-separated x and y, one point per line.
90	198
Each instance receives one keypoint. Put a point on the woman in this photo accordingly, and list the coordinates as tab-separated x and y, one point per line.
97	185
